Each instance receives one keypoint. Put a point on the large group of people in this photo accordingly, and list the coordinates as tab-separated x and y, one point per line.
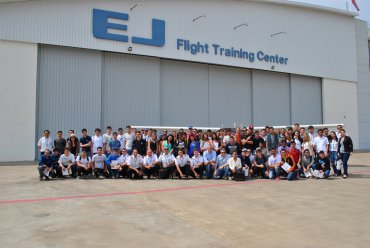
288	153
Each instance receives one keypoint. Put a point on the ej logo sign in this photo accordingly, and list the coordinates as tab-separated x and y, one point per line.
101	25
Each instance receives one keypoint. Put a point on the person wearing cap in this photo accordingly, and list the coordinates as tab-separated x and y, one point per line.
210	157
167	161
183	164
222	167
73	145
274	164
150	165
197	165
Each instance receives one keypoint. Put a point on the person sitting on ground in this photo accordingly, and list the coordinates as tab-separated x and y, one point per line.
222	167
322	164
98	164
45	167
259	168
135	164
183	164
197	165
67	163
235	164
150	165
113	163
83	165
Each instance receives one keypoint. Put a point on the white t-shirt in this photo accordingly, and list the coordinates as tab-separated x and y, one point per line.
274	160
84	161
128	139
320	143
66	160
97	142
312	137
166	160
196	160
135	162
99	161
121	139
150	160
226	139
46	143
234	164
334	146
181	162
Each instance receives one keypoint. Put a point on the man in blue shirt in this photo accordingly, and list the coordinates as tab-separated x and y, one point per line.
45	166
54	161
113	163
114	143
210	157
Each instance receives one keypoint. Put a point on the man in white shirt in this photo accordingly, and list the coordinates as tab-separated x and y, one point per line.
197	165
128	139
135	164
120	137
106	139
235	164
45	143
311	133
168	164
274	163
150	165
222	167
321	143
98	164
183	164
67	164
97	141
83	165
123	163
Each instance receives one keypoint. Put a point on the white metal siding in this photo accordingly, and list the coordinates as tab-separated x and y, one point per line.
306	98
271	98
130	90
229	96
69	95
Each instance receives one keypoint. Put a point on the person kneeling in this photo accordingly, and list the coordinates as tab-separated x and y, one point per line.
183	164
168	164
134	166
150	165
98	164
222	167
235	166
45	167
83	165
67	165
321	166
113	164
197	165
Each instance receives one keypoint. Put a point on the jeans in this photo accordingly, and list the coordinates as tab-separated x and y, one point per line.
333	160
274	172
115	173
223	172
210	171
345	157
292	176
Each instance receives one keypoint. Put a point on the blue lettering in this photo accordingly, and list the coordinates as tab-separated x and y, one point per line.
101	25
158	35
260	55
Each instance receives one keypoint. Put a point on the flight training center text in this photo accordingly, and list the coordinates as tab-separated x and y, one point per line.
205	48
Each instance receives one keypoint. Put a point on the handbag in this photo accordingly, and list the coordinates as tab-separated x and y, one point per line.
339	164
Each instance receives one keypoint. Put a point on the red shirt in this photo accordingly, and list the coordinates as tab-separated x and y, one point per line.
295	153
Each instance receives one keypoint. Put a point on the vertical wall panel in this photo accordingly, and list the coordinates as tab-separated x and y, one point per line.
271	100
69	89
184	94
131	88
306	100
229	96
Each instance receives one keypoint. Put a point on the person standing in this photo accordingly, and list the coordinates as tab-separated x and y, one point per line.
272	140
73	145
345	149
128	139
85	143
321	143
139	144
60	143
333	152
114	143
45	143
97	141
106	139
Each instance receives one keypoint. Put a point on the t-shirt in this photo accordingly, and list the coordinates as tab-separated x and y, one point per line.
121	139
84	161
60	144
274	160
66	160
230	148
128	139
166	160
320	143
99	161
97	142
135	162
306	161
333	145
84	141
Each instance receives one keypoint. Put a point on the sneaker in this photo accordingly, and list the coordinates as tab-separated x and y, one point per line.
344	176
79	177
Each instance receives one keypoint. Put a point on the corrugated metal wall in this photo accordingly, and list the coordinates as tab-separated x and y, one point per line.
69	89
84	88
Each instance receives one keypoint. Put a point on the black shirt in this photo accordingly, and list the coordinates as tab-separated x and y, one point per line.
232	148
246	161
140	146
84	141
249	146
60	144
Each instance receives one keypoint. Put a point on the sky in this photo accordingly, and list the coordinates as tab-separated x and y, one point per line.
364	6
